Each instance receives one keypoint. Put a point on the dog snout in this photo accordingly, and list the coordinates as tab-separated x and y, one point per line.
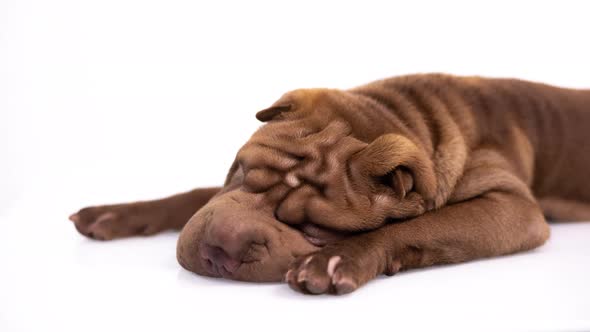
234	238
219	242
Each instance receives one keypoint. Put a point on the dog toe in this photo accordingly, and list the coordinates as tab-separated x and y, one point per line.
322	273
96	223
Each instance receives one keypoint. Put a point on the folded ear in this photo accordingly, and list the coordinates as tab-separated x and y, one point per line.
271	112
398	162
400	180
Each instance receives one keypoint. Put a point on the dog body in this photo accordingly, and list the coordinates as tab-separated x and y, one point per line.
338	187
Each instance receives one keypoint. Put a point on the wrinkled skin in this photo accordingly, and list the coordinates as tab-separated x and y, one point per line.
338	187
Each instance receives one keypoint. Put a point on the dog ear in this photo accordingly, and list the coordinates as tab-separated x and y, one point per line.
400	180
399	163
270	113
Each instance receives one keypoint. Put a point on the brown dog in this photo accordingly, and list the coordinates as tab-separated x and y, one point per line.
341	186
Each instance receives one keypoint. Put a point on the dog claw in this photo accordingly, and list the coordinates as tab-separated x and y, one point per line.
302	276
342	284
332	263
288	275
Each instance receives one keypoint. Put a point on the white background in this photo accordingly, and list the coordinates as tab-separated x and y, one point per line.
116	100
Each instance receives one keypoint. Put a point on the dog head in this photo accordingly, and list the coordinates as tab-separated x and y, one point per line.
323	167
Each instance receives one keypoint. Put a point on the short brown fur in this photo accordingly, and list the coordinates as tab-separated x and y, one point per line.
341	186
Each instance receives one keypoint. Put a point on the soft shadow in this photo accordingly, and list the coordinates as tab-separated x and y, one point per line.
286	292
193	279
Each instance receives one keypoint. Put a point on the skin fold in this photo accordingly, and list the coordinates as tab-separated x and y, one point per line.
340	186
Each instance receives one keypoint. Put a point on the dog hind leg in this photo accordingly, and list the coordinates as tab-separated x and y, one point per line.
558	209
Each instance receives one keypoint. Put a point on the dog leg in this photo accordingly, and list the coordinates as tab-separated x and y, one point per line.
558	209
493	224
107	222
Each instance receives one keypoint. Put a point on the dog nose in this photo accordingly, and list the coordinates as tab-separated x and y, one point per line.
226	243
217	261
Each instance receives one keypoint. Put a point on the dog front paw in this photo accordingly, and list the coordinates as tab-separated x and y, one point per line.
115	221
330	271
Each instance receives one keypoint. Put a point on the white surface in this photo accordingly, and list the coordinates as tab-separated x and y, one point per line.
108	101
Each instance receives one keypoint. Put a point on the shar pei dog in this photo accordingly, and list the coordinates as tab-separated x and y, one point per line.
340	186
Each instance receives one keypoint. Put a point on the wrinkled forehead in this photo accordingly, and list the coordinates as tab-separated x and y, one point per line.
298	150
309	136
300	126
289	164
